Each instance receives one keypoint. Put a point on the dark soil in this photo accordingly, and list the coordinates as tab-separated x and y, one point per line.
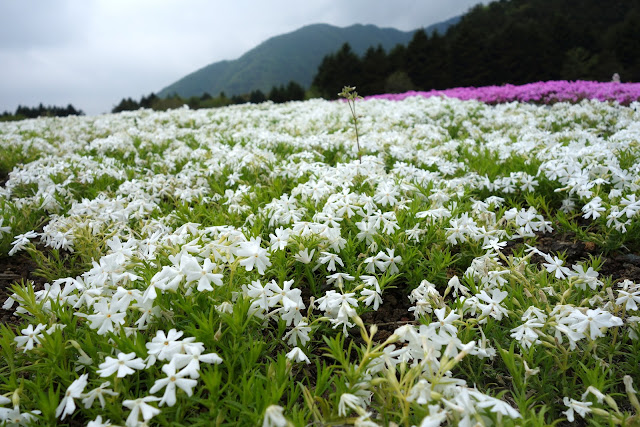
617	265
393	313
15	269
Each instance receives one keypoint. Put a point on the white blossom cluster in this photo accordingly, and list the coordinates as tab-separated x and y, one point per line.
304	151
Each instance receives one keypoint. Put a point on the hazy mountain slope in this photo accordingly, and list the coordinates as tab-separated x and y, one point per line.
292	56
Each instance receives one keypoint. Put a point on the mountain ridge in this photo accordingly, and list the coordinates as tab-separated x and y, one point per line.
270	62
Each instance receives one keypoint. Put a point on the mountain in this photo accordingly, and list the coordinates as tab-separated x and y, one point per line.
442	27
292	56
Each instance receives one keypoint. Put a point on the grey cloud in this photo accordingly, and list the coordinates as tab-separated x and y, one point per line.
403	14
27	23
93	53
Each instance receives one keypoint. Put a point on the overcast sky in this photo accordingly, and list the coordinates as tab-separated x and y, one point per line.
93	53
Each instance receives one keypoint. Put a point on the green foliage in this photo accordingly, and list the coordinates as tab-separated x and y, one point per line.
23	112
278	94
211	187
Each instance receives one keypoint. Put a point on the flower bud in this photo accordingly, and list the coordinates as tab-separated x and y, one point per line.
372	330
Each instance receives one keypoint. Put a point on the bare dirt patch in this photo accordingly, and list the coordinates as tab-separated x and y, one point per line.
15	269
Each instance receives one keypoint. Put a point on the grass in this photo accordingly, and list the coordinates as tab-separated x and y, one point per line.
235	258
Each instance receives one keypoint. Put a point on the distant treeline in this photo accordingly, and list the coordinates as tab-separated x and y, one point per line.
278	94
508	41
22	113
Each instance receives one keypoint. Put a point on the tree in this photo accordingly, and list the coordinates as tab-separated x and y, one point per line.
398	82
126	104
627	46
147	102
417	57
375	69
294	92
468	59
237	99
579	64
336	71
435	74
256	97
278	94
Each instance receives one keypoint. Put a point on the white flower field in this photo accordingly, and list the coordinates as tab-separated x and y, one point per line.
223	267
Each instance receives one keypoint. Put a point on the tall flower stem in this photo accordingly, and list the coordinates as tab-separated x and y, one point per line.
349	93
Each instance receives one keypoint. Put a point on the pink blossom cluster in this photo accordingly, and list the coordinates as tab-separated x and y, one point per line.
539	92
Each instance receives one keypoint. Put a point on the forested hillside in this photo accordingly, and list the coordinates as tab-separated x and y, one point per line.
507	41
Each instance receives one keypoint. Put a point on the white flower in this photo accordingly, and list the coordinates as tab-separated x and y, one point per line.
21	241
420	392
339	279
13	417
593	208
526	333
224	307
582	408
74	391
492	305
554	265
124	364
364	420
388	261
107	317
528	372
297	355
495	405
571	334
98	422
495	244
98	393
280	239
534	312
163	347
204	274
588	277
170	382
628	385
140	407
371	297
593	320
286	296
189	364
273	417
348	400
367	230
293	314
436	416
254	255
30	337
444	324
304	256
594	391
330	259
630	300
458	288
299	332
5	229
